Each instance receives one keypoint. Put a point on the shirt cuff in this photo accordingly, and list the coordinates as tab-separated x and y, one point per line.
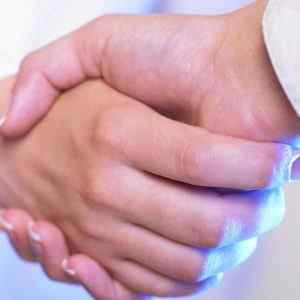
281	25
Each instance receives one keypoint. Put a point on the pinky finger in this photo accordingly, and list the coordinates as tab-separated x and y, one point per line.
15	223
102	286
97	280
50	247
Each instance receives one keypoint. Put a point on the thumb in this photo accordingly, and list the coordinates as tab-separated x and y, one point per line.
150	58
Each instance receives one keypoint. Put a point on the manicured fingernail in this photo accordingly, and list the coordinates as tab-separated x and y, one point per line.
33	234
67	269
5	224
35	241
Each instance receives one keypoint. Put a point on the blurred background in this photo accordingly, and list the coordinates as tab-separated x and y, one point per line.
271	274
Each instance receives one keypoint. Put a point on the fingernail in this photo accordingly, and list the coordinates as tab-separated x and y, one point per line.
33	234
283	174
221	259
293	163
295	166
35	241
5	224
213	264
67	269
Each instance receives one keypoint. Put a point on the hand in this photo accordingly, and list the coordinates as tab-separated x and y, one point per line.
212	72
97	181
52	253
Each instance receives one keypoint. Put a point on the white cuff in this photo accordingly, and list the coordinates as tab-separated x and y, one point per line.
281	26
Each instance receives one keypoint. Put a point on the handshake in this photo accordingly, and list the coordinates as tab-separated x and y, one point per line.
145	155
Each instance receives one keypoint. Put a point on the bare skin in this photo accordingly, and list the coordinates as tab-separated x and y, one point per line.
209	90
212	72
116	209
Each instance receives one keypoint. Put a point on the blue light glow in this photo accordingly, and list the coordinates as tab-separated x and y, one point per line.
222	259
272	211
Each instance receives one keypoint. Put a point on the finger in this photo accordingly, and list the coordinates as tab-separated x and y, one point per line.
15	223
295	173
50	248
98	282
148	282
93	52
197	217
226	258
175	260
192	155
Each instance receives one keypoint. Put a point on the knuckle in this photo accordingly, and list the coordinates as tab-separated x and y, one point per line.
190	162
99	187
110	132
29	62
90	190
31	69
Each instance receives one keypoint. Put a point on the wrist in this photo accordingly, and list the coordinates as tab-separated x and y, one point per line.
246	41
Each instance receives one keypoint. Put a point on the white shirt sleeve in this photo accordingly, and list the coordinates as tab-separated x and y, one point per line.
281	26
